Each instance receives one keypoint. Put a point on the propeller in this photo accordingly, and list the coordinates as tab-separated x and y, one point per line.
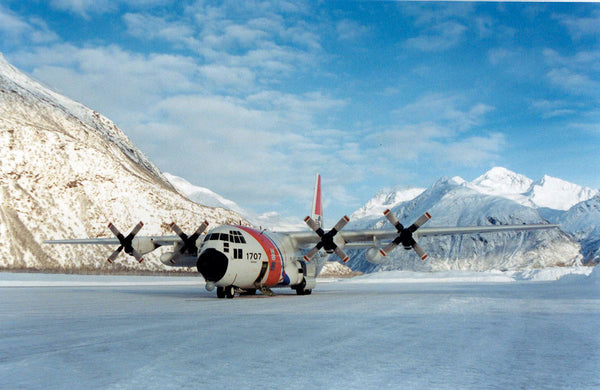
326	241
405	235
126	243
189	243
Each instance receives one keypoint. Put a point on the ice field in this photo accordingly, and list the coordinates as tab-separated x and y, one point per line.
388	330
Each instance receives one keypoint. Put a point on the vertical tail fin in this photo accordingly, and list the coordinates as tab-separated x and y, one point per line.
317	206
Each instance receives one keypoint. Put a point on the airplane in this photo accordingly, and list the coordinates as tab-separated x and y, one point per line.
241	259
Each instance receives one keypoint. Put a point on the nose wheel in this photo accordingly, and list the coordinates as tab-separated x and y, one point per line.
226	292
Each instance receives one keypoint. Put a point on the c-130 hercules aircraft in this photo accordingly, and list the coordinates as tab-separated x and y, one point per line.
235	258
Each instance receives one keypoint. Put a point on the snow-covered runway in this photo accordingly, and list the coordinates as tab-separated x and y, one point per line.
60	331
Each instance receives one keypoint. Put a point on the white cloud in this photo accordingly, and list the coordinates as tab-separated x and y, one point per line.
350	30
549	109
473	150
440	37
84	7
153	27
583	26
573	82
451	111
16	29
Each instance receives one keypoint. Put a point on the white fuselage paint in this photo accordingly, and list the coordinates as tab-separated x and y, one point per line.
248	251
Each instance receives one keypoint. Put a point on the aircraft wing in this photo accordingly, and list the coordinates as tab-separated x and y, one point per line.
365	238
158	240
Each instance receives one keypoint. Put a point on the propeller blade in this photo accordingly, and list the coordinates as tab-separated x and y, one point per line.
314	226
341	254
312	253
137	255
420	222
341	223
115	231
393	220
136	229
199	231
178	231
388	248
420	252
114	255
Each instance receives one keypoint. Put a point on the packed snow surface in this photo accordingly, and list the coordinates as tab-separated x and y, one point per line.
113	332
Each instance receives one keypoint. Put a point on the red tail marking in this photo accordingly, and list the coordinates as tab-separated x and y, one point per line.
428	215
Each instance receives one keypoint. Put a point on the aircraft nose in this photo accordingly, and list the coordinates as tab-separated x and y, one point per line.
212	264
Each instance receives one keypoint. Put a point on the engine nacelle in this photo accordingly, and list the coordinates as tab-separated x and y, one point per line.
143	245
374	256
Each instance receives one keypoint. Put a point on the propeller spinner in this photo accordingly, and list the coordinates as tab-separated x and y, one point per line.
326	241
405	235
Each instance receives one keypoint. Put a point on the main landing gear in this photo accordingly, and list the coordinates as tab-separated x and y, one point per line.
301	288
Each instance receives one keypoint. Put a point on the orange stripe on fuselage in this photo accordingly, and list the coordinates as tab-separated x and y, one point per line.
274	270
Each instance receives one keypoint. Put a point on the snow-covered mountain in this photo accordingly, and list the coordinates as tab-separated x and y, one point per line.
453	202
65	172
547	192
271	220
202	195
582	221
386	199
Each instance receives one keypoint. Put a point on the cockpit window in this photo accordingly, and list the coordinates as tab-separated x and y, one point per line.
236	236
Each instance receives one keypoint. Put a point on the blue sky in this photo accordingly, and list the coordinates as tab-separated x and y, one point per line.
251	99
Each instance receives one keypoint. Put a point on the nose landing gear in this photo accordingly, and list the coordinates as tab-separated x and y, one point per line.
226	292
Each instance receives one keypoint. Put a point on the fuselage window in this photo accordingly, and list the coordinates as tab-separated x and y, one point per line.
237	253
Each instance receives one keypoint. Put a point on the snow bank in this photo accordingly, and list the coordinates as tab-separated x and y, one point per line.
534	275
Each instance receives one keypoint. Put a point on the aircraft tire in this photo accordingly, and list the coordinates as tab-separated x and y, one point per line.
229	292
220	292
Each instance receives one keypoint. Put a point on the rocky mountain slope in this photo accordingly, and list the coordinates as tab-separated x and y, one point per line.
65	172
